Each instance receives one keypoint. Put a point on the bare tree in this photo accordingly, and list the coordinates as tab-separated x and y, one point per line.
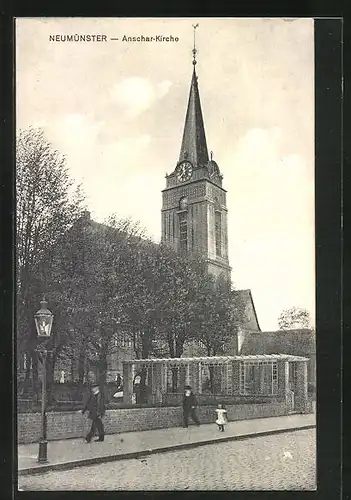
47	205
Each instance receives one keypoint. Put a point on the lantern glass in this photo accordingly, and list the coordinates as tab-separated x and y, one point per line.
43	320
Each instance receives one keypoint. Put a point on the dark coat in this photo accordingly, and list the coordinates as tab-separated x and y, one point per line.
95	406
189	401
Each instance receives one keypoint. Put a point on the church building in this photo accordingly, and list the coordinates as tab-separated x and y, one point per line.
194	211
194	205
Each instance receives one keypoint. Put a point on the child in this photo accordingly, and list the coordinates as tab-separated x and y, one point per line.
221	417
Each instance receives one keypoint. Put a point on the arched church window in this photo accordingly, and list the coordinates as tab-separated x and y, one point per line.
218	233
183	203
183	231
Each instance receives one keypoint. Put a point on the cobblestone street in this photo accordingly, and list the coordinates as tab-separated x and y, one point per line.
277	462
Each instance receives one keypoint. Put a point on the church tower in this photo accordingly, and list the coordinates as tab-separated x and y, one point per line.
194	207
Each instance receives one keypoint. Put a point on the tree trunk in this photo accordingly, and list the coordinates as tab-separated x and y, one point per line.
146	342
136	346
81	373
175	379
27	376
170	341
35	381
87	372
81	368
102	369
179	350
211	370
51	359
143	386
102	372
72	361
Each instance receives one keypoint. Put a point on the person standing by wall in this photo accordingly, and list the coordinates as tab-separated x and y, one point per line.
136	388
96	408
118	394
119	382
189	405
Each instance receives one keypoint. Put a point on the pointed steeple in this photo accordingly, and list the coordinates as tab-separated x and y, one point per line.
194	146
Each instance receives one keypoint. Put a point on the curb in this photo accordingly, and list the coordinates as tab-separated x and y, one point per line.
142	453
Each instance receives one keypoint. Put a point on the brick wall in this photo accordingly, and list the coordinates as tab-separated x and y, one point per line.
62	425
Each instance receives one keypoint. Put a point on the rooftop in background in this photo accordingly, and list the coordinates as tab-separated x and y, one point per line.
301	342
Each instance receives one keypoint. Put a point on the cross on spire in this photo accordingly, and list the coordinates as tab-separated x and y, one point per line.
194	49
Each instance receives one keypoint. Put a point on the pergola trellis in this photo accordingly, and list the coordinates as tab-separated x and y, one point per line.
276	374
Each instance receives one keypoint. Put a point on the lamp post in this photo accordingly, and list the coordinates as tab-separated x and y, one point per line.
43	322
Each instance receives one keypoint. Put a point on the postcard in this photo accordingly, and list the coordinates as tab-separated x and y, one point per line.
165	248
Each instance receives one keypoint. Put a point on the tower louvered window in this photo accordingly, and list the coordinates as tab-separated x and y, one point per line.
183	231
218	233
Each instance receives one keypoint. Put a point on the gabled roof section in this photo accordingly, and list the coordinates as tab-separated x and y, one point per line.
194	146
250	321
98	229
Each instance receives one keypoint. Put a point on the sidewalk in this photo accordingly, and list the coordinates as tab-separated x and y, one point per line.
70	453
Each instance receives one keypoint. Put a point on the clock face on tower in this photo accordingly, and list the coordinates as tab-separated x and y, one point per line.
184	171
213	169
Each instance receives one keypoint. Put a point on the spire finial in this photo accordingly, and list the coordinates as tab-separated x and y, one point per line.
194	49
211	154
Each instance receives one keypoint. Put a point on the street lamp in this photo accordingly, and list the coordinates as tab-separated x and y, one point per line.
43	322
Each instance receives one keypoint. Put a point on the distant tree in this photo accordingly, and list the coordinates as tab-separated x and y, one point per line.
178	278
46	207
295	317
219	313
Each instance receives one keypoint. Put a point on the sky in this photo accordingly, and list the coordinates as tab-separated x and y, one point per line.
116	109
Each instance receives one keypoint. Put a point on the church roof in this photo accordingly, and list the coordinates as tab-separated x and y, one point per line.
250	321
194	146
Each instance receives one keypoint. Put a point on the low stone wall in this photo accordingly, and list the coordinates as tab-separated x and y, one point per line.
63	425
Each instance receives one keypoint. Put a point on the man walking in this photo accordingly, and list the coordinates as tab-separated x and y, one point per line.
189	404
95	406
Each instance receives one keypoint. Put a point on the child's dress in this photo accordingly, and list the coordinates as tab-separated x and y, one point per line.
221	416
